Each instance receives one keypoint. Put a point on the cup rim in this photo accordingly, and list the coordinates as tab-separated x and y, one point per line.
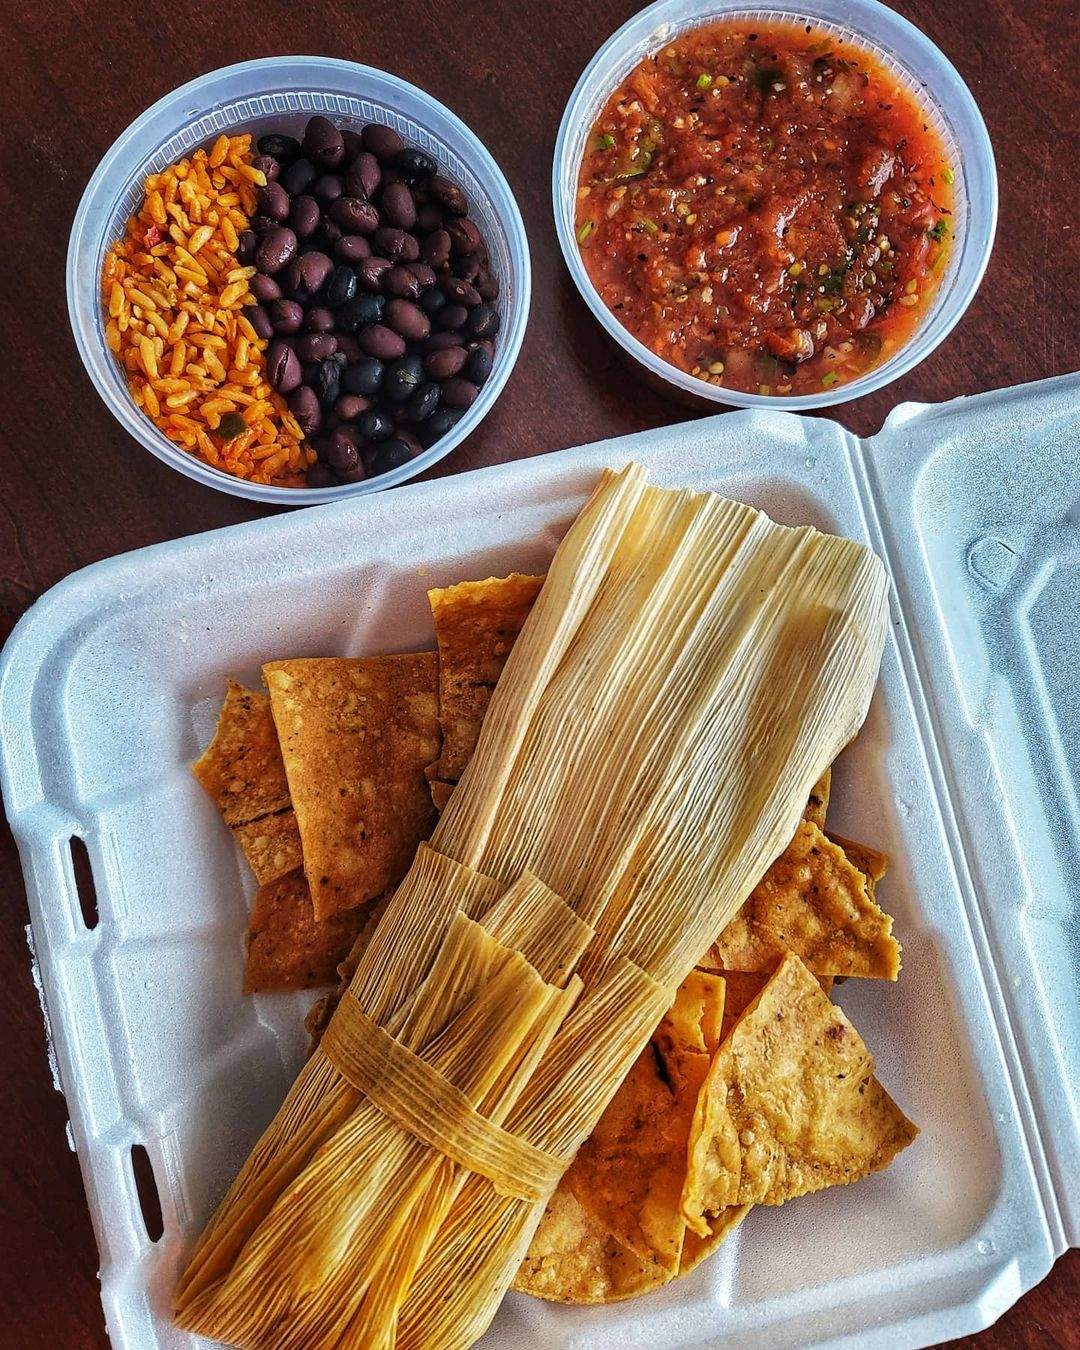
94	353
970	267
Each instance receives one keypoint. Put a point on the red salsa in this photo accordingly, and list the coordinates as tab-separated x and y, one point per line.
766	207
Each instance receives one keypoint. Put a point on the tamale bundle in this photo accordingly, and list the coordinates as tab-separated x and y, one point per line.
687	673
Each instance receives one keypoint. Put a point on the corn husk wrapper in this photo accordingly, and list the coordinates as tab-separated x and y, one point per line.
686	675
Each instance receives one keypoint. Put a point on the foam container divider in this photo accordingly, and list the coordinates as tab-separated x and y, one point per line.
966	773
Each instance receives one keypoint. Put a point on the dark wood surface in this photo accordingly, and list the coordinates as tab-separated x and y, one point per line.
74	489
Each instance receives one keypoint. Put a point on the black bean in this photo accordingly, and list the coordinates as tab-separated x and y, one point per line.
464	236
445	362
327	382
276	250
375	425
323	143
348	347
401	282
381	141
282	367
328	233
424	274
355	215
424	401
304	406
459	292
342	285
364	377
436	250
438	342
407	319
274	201
484	321
397	206
439	424
264	288
260	321
356	475
260	223
478	367
372	272
448	195
431	300
308	274
299	177
380	341
283	148
267	166
452	318
318	319
316	346
304	217
414	164
388	456
328	187
246	246
363	176
341	451
352	248
350	406
466	266
428	217
286	316
459	393
402	378
396	244
487	285
320	476
361	310
308	372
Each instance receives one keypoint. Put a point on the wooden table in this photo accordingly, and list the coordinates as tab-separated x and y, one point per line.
73	488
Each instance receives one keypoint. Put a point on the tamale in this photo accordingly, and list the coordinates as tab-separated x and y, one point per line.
686	675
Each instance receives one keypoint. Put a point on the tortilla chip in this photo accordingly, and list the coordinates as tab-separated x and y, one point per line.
819	800
243	773
741	987
287	949
320	1013
613	1228
355	737
814	902
271	845
872	864
572	1258
720	1227
790	1106
476	624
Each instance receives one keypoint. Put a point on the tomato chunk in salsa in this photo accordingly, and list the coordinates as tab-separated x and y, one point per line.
767	207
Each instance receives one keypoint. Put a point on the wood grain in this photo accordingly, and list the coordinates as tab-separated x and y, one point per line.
74	488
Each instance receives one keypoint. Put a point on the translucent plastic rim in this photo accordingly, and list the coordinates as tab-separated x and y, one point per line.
868	24
121	166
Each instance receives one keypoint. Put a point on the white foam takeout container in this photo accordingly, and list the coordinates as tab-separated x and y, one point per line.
966	773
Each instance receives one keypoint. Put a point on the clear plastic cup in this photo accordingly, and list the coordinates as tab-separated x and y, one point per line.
899	45
281	94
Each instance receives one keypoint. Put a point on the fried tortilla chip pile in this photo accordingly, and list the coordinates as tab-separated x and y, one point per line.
788	1103
754	1089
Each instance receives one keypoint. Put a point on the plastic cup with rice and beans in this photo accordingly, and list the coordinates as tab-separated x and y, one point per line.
318	289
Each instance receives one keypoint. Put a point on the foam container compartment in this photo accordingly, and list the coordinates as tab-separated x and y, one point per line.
966	773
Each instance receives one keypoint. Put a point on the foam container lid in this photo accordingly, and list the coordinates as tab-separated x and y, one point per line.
966	773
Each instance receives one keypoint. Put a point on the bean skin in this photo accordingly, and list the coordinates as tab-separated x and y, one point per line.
304	406
323	143
304	217
316	346
459	393
398	207
260	321
286	316
355	215
352	248
381	141
264	289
